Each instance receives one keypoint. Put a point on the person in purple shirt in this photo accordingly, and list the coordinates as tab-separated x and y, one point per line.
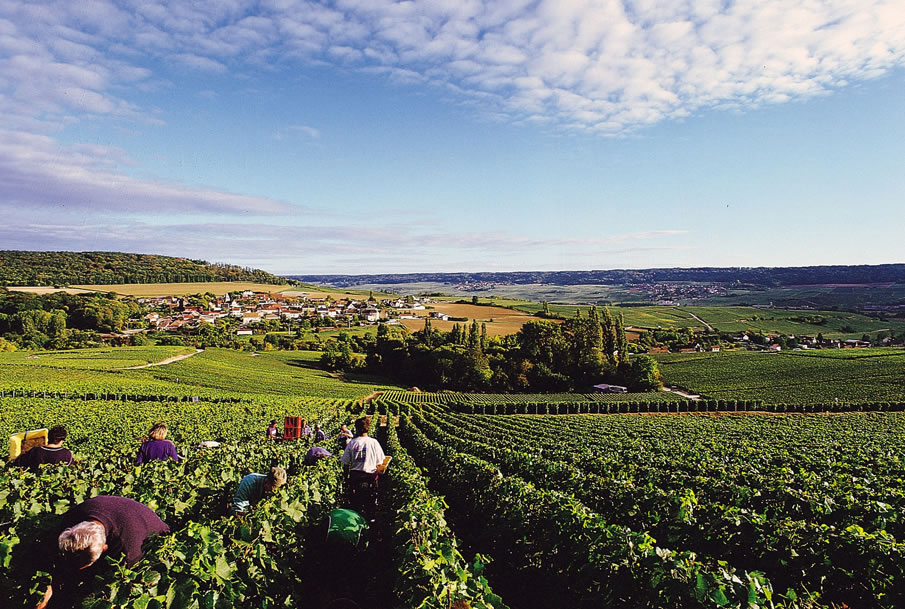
157	446
51	453
316	453
102	525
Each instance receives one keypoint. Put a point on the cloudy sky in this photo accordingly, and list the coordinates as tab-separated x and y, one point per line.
367	136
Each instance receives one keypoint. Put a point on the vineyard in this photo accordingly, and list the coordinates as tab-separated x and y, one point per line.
214	373
547	500
794	377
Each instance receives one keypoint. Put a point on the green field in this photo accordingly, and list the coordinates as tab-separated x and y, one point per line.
816	296
622	511
832	324
274	372
212	373
108	358
664	511
268	558
323	334
836	324
791	377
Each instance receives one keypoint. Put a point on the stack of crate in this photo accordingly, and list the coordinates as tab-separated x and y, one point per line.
292	428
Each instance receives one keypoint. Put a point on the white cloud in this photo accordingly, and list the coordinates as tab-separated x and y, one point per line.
291	246
304	130
38	173
603	65
198	62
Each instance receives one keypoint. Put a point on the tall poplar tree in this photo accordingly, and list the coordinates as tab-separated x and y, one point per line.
621	342
609	336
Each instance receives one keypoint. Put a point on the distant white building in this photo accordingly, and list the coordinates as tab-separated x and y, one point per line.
606	388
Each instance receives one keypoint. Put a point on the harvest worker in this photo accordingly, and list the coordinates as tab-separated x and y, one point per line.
315	454
51	453
344	527
344	436
319	435
362	456
157	447
272	431
253	487
101	525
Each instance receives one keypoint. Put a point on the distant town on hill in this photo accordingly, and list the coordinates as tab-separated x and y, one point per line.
754	276
861	288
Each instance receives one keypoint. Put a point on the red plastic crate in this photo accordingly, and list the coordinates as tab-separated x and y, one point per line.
292	433
294	422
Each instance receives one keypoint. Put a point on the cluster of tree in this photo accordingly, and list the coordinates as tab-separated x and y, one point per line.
671	338
62	321
19	267
542	357
545	312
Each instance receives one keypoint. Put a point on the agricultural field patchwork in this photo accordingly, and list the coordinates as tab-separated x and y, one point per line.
832	324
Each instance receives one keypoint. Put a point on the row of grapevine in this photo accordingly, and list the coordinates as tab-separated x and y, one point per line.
751	519
800	377
115	396
431	571
415	397
552	407
572	556
209	559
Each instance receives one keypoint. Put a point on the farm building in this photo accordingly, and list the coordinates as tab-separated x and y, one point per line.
606	388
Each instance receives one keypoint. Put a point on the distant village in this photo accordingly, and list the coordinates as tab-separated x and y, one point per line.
252	310
775	343
248	313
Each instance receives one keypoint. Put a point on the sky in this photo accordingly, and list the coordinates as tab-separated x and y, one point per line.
371	136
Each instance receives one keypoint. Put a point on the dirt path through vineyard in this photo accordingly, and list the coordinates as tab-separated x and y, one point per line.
169	360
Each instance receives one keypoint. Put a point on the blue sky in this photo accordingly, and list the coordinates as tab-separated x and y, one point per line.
367	136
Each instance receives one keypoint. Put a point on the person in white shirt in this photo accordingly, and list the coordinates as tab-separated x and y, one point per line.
362	455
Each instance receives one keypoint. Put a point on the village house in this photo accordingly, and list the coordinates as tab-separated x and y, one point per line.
250	318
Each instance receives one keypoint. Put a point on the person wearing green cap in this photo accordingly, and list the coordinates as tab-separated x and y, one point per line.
253	487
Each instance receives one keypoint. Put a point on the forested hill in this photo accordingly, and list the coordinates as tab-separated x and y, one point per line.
757	276
76	268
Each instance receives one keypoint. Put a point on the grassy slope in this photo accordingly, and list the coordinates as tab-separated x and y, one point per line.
215	372
285	373
106	358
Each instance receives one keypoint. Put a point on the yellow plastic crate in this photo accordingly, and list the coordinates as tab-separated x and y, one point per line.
24	441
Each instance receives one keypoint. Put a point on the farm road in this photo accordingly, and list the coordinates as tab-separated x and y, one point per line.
690	396
706	325
169	360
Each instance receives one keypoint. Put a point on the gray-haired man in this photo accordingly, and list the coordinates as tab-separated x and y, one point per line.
103	525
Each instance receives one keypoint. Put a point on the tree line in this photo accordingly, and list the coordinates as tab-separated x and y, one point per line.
27	268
